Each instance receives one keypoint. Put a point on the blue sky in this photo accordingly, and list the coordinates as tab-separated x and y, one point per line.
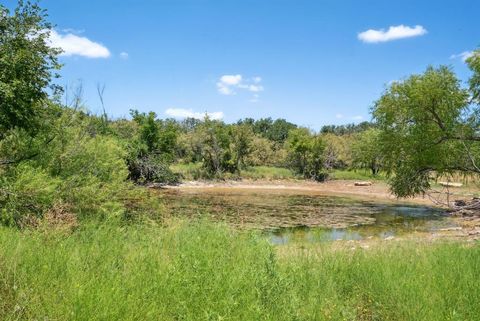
311	62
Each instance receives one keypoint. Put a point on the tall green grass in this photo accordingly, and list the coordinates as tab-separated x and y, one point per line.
201	271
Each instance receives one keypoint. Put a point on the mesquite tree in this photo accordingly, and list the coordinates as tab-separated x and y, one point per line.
429	126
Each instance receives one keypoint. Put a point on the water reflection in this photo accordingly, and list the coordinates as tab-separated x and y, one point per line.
319	234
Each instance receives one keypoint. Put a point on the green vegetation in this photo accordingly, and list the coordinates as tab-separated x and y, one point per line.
306	154
200	271
56	161
356	174
193	171
151	149
74	243
27	67
429	127
366	151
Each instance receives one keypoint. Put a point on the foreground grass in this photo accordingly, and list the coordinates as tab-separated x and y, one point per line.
208	272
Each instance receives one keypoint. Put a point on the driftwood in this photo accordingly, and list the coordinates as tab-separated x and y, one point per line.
443	198
472	205
450	184
364	183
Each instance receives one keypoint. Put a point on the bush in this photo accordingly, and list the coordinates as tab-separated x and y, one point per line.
306	154
72	170
150	169
25	194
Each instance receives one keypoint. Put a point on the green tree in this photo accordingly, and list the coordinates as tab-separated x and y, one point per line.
279	130
262	126
347	129
167	140
276	131
241	144
427	127
366	150
153	149
474	63
216	154
262	152
157	137
189	148
27	66
149	130
306	154
337	150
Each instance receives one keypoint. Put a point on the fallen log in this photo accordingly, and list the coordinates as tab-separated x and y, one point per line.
364	183
450	184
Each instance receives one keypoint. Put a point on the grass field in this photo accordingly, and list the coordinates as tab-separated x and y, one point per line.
202	271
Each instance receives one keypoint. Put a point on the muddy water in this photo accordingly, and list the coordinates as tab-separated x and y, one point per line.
288	216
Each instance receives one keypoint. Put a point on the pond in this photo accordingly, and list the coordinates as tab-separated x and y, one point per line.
289	216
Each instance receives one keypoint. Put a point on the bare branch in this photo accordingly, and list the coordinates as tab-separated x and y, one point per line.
100	91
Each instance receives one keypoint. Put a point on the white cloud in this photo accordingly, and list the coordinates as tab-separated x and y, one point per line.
124	55
463	55
339	116
231	80
393	33
358	117
73	45
228	84
189	113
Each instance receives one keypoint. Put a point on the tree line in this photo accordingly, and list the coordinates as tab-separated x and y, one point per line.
223	148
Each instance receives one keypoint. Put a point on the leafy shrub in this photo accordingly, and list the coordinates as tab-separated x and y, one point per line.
25	194
72	170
